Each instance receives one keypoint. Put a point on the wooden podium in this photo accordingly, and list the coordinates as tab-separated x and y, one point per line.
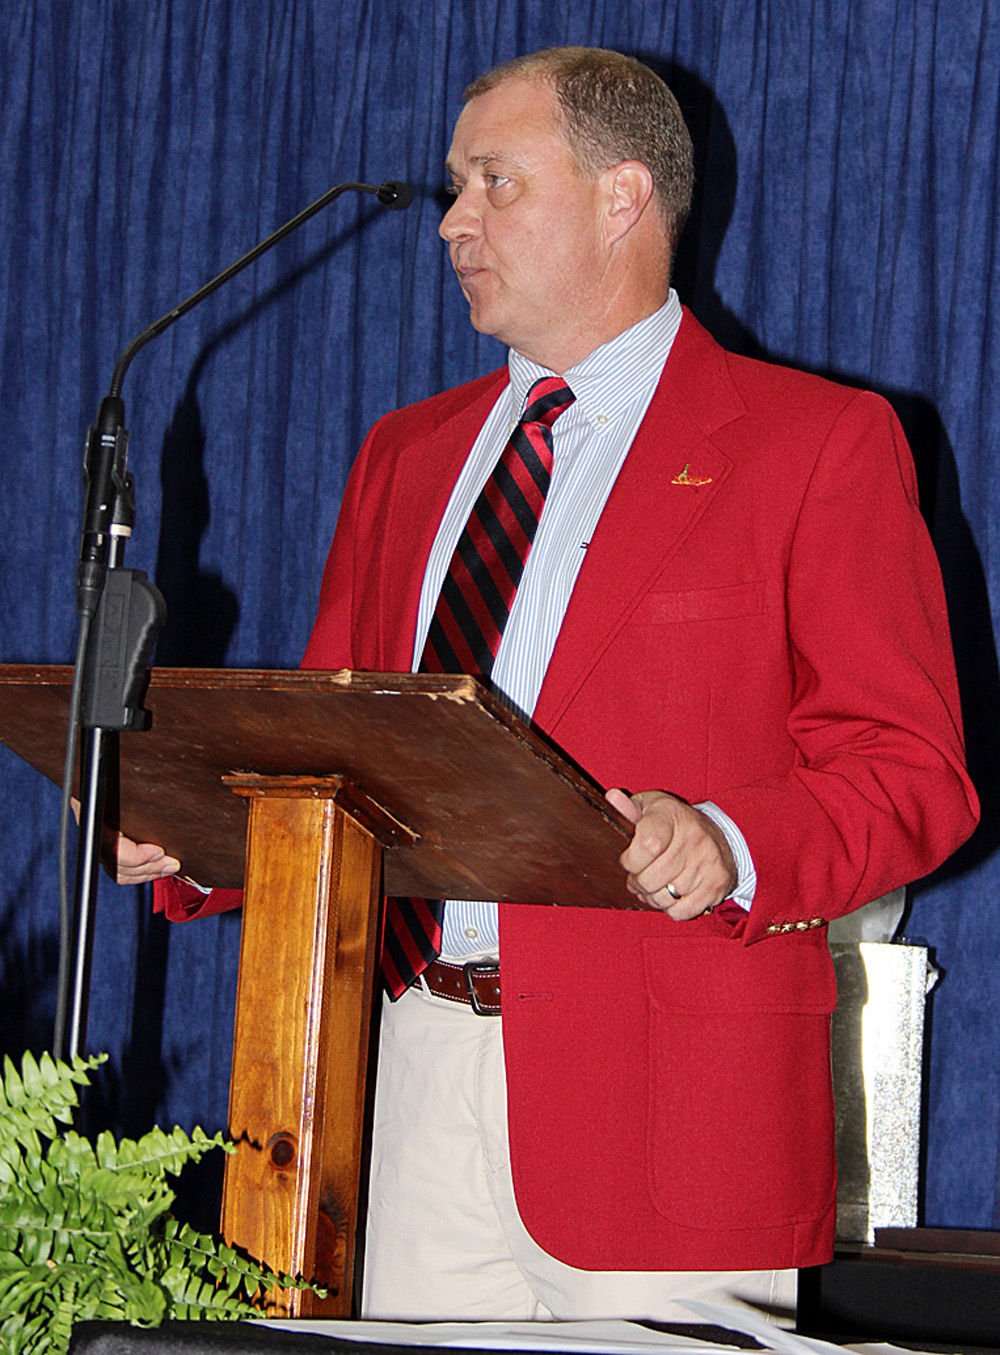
316	792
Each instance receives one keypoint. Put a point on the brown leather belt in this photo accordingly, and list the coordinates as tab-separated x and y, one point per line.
474	984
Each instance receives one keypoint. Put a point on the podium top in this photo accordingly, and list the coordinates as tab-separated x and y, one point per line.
498	811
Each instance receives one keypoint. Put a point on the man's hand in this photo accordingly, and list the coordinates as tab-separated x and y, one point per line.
678	860
132	863
139	863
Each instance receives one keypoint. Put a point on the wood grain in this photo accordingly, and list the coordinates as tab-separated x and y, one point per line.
300	1056
493	808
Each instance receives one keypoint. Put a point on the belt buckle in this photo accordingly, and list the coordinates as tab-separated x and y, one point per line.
470	972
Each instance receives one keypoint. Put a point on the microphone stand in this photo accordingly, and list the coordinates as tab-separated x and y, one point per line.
121	614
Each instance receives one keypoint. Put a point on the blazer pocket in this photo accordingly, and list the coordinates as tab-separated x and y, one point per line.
702	604
740	1131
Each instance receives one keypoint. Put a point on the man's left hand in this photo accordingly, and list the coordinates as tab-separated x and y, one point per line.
678	860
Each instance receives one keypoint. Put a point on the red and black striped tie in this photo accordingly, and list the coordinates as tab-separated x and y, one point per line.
470	616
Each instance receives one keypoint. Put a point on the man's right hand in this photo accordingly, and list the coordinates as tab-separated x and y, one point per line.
139	863
132	863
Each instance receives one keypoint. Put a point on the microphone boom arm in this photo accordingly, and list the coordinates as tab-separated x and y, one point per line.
391	194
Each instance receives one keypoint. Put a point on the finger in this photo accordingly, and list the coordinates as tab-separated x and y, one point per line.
141	862
686	881
142	875
129	853
623	802
653	886
677	873
653	847
691	895
683	909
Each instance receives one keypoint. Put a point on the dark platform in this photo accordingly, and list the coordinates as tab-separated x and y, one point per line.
926	1287
242	1338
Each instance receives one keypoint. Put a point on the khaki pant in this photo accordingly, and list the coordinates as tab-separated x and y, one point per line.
445	1241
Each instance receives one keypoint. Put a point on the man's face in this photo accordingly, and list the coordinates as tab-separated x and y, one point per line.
524	232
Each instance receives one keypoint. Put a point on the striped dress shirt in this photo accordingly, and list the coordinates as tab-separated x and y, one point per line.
613	387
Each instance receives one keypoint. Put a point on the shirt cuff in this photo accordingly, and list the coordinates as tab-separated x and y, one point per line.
746	874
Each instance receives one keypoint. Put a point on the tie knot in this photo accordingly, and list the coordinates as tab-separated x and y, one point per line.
547	399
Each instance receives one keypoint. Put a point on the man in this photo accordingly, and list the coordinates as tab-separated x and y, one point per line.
730	603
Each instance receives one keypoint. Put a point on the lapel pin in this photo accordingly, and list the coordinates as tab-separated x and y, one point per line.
686	479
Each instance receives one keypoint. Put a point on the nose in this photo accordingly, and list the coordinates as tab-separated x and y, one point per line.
460	220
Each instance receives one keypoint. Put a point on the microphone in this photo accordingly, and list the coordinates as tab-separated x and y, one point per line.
394	195
120	614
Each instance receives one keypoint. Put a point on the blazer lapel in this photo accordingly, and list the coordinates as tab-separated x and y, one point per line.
669	479
423	479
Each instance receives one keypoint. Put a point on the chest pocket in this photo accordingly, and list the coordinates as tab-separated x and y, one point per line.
702	604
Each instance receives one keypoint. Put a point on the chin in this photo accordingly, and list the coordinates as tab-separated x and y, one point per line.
482	324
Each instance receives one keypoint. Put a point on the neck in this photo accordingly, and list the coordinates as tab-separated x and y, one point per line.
571	349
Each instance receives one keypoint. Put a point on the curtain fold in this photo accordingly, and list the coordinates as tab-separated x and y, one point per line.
845	221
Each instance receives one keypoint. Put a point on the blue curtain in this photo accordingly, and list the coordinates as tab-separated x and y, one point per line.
846	221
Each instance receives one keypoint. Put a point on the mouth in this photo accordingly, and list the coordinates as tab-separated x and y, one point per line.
469	280
464	268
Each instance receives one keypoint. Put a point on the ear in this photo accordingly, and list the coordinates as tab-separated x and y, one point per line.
629	187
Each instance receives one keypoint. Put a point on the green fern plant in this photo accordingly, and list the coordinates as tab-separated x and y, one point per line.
85	1228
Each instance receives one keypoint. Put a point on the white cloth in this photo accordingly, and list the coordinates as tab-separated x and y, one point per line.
444	1238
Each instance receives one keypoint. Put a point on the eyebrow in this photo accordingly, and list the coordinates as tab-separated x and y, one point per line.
489	157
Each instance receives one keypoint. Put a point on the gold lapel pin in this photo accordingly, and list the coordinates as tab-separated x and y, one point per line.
686	479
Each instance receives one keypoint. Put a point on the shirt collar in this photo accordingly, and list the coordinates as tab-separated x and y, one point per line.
610	378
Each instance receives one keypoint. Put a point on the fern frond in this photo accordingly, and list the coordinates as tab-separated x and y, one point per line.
85	1228
162	1151
43	1093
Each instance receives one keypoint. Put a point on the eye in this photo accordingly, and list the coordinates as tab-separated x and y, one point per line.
496	180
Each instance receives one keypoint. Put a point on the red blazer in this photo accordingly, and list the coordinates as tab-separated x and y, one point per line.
759	621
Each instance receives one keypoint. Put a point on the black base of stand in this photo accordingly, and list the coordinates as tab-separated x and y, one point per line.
242	1338
933	1299
202	1338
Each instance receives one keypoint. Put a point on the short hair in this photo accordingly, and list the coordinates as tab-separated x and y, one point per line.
613	108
